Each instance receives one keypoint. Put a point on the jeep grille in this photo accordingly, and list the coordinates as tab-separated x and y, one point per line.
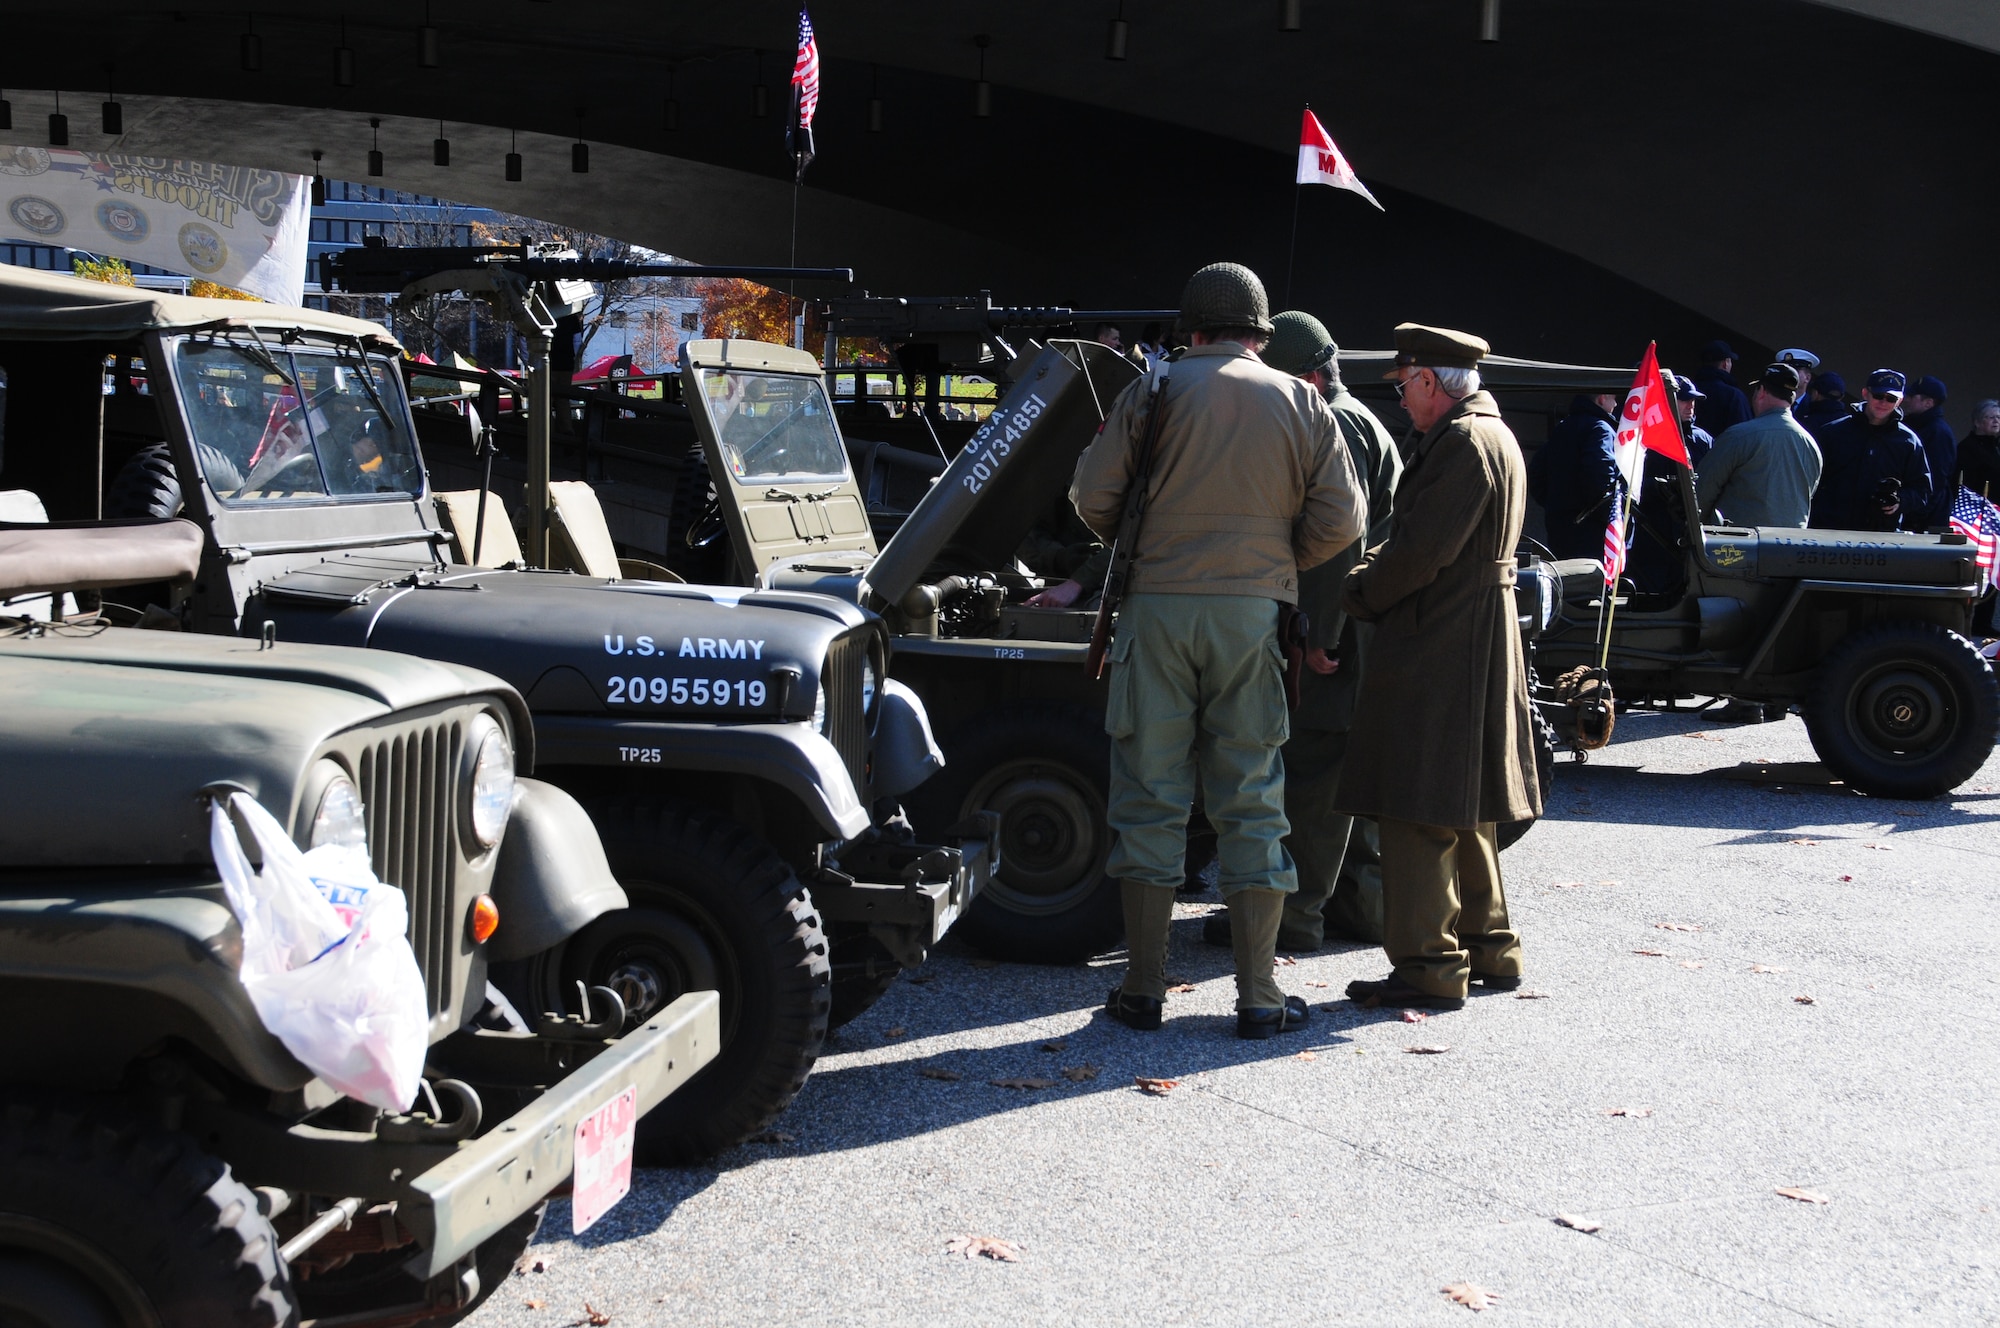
409	786
846	722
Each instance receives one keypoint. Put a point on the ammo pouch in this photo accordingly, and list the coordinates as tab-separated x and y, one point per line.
1293	627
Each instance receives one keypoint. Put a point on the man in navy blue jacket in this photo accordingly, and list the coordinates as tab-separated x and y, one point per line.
1923	414
1723	402
1575	478
1876	475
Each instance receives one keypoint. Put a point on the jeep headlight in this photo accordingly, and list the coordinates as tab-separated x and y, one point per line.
339	819
819	709
489	783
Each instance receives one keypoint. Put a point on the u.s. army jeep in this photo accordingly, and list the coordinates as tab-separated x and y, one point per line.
740	752
165	1162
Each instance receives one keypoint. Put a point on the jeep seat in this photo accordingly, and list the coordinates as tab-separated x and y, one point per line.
580	538
1582	579
460	512
38	558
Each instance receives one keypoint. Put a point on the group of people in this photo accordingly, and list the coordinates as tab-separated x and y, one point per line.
1791	450
1412	706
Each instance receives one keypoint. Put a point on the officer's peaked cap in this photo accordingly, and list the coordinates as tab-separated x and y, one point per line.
1423	347
1299	344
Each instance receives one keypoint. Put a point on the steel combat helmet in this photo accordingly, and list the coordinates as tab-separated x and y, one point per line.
1224	295
1299	344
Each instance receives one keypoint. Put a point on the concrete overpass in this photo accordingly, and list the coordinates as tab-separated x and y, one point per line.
1779	171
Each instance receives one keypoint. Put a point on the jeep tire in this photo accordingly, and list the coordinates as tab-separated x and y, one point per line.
713	907
106	1222
1904	710
1046	769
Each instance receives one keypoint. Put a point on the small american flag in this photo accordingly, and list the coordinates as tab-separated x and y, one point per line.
1979	521
805	97
1614	542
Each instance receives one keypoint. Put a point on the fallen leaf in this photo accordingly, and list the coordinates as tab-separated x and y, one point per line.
1694	963
772	1137
1607	882
1055	1044
1414	1016
1426	1051
1805	1000
1678	926
896	1032
1628	1111
1768	968
1574	1223
1703	737
1078	1074
1284	961
535	1304
1183	987
1022	1083
1804	843
940	1073
1474	1298
989	1247
1305	1056
1157	1087
1312	983
1847	878
1655	954
1570	885
1880	848
592	1318
1531	995
1803	1196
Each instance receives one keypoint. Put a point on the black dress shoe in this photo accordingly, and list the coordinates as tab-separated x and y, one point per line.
1494	982
1392	990
1140	1012
1257	1025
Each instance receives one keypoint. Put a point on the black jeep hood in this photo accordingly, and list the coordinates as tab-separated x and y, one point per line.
577	644
1014	468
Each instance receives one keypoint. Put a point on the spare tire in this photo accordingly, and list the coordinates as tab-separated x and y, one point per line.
147	485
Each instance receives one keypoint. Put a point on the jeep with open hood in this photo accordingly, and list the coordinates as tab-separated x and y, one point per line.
165	1157
740	752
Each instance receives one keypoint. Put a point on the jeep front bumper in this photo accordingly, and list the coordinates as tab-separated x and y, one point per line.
908	895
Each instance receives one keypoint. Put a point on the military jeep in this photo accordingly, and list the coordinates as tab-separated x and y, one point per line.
165	1161
740	753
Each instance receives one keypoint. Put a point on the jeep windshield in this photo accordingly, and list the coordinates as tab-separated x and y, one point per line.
276	423
774	428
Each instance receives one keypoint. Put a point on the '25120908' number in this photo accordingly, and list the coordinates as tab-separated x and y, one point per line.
638	690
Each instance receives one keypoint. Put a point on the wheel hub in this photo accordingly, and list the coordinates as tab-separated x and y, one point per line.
1903	711
640	986
1051	843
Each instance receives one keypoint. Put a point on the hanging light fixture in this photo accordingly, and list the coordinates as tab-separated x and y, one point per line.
375	153
441	148
58	126
6	114
343	59
875	100
760	96
114	114
252	47
1288	15
319	182
579	151
514	157
1115	35
427	41
673	104
982	91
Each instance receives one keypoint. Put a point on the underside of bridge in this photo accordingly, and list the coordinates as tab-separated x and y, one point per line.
1777	171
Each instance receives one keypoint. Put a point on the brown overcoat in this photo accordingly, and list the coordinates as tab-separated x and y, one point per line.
1442	732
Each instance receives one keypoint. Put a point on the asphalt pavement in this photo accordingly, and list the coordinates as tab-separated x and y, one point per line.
1745	981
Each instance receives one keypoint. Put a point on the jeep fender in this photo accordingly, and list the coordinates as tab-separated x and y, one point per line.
552	879
791	757
905	752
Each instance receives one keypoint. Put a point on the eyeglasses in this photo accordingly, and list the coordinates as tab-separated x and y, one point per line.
1403	384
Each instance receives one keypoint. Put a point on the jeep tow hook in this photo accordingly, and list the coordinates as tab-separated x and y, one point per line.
581	1027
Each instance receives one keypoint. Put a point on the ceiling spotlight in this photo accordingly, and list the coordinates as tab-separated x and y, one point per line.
375	153
1288	15
58	126
251	49
579	151
114	114
1114	37
319	182
441	148
343	59
982	91
760	96
875	100
514	157
427	41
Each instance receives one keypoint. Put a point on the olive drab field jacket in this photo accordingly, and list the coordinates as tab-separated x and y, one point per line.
1442	729
1251	484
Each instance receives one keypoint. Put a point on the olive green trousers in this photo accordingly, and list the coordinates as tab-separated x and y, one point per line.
1443	911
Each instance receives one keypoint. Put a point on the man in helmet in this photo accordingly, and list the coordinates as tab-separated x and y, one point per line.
1250	485
1442	746
1301	346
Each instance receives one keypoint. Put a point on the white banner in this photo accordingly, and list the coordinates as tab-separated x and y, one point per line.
228	224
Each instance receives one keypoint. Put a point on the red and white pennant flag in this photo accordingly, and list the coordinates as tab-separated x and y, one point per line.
1646	421
1320	162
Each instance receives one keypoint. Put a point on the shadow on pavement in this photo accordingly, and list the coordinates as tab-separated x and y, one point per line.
1763	813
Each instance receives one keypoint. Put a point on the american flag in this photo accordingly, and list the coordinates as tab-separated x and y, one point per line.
805	99
1614	542
1979	521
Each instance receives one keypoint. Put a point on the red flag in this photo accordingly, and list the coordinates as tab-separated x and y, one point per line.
1648	418
1320	162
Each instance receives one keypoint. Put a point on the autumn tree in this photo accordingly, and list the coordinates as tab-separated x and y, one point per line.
110	271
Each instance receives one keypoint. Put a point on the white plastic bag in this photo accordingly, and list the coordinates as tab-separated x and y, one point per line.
326	957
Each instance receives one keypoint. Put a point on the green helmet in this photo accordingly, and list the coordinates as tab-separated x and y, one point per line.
1224	295
1300	344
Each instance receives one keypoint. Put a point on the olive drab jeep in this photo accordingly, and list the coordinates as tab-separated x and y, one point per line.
165	1161
740	752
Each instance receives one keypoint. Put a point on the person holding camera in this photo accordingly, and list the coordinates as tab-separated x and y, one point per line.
1877	475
